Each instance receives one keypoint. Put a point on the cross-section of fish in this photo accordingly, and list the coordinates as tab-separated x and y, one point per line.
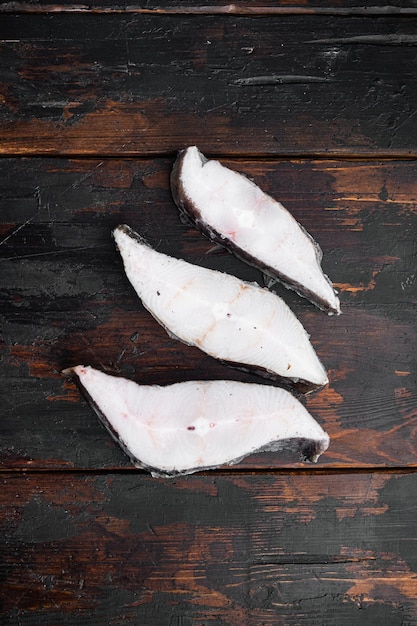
189	426
236	322
231	210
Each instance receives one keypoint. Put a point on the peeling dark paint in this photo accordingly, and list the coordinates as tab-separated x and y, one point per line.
211	549
108	84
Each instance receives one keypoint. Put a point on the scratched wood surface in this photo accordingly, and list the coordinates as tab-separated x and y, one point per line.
315	102
128	84
272	549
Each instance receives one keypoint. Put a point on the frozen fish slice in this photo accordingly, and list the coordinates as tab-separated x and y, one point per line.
189	426
234	321
230	209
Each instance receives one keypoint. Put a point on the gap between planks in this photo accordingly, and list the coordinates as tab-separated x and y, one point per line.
235	472
237	156
220	9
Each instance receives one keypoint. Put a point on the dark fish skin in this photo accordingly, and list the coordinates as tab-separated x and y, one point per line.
189	212
297	386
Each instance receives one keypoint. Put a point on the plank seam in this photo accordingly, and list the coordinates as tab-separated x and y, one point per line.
225	9
328	471
301	156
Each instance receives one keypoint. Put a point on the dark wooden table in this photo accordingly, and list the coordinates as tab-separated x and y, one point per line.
317	102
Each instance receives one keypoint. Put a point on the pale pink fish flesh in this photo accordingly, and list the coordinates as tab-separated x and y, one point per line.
195	425
231	210
236	322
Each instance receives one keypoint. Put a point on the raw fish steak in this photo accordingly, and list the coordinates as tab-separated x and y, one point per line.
189	426
230	209
234	321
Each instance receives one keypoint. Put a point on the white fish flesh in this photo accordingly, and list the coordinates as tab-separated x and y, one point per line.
189	426
231	320
231	210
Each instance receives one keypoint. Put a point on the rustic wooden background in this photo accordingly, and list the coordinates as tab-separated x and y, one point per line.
317	102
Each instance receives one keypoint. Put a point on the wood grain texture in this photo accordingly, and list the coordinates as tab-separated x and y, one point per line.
252	8
129	84
126	549
65	300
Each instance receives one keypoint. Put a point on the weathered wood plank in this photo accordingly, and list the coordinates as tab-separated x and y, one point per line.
118	79
128	84
65	300
288	549
252	8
